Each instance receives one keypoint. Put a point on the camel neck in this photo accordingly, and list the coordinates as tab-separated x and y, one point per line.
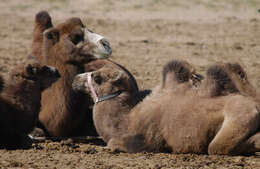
111	116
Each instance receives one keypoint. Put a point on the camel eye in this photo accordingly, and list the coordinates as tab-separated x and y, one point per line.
98	80
77	38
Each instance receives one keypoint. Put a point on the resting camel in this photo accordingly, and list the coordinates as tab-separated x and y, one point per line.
170	120
68	47
20	101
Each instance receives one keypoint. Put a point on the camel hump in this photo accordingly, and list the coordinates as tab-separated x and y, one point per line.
219	80
237	70
179	71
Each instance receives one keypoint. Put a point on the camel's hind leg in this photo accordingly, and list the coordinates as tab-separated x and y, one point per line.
240	123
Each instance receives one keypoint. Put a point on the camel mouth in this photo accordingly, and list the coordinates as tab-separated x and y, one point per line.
102	49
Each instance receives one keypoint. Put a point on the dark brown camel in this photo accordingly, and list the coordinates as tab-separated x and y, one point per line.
68	46
20	101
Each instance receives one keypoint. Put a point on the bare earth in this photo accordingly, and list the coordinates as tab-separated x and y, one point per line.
144	35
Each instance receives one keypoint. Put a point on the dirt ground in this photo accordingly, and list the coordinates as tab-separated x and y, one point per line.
144	36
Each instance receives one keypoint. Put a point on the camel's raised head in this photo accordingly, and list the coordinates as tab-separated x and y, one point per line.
106	82
41	74
73	38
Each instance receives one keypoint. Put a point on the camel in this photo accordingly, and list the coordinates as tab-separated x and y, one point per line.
20	101
179	121
68	47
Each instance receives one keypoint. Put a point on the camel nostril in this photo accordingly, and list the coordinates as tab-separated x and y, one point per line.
106	45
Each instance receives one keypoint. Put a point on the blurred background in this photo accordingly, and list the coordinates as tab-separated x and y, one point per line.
146	34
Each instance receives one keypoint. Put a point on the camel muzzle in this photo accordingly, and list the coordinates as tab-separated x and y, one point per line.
103	49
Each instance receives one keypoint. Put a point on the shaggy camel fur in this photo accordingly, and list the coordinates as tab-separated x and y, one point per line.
20	101
180	121
65	112
178	72
1	83
225	78
221	79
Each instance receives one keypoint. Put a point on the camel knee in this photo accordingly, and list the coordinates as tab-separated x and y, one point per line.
219	149
116	145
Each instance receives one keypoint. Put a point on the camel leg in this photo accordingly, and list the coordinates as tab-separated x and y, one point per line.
116	144
130	144
249	146
234	131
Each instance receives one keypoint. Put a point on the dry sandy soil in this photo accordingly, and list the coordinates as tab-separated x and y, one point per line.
144	36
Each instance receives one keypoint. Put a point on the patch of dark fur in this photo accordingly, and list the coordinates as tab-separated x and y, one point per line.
181	72
44	19
221	80
141	95
135	143
1	83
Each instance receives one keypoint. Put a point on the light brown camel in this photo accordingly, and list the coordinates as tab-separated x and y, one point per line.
20	101
175	120
68	46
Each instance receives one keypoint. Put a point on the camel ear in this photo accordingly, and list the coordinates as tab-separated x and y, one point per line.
52	34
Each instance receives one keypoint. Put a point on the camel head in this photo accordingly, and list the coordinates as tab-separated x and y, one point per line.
105	83
72	38
34	72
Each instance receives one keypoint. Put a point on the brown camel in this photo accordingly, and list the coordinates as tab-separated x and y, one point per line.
68	46
20	101
174	120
